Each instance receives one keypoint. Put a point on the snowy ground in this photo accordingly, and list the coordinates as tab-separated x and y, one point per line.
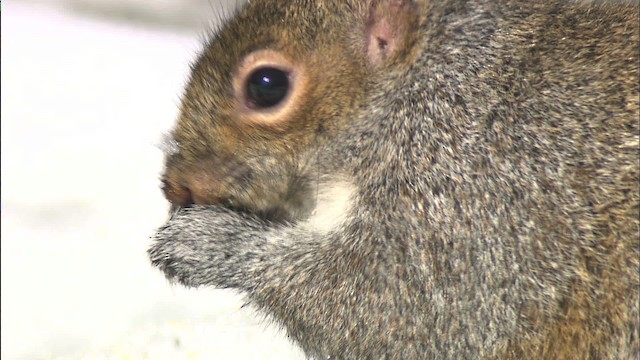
84	105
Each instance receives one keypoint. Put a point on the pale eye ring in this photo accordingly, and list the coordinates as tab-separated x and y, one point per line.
269	88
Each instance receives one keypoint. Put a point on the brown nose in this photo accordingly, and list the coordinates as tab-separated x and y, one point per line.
177	193
199	187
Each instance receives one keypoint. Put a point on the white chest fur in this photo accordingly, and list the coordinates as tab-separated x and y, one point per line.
334	200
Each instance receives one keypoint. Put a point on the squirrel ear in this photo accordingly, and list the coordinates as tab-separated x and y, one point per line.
389	24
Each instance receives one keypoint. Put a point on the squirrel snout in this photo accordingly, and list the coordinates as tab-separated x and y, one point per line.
190	190
177	193
211	181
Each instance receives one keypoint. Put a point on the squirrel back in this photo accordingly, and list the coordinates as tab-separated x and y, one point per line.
485	159
515	134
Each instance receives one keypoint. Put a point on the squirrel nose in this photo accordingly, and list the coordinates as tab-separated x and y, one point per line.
177	193
197	188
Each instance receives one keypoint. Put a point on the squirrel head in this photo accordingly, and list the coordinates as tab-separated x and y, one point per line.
271	83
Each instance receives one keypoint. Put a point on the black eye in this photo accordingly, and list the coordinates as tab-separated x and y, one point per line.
267	87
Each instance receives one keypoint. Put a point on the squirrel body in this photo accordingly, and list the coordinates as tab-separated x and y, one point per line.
443	179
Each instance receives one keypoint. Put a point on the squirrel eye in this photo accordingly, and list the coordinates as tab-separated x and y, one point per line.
267	87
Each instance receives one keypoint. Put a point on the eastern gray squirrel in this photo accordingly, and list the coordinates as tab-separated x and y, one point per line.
405	179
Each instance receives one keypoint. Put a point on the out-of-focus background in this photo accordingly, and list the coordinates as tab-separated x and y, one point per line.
88	89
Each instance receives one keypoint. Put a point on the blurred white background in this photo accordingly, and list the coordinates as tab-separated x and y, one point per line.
88	89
